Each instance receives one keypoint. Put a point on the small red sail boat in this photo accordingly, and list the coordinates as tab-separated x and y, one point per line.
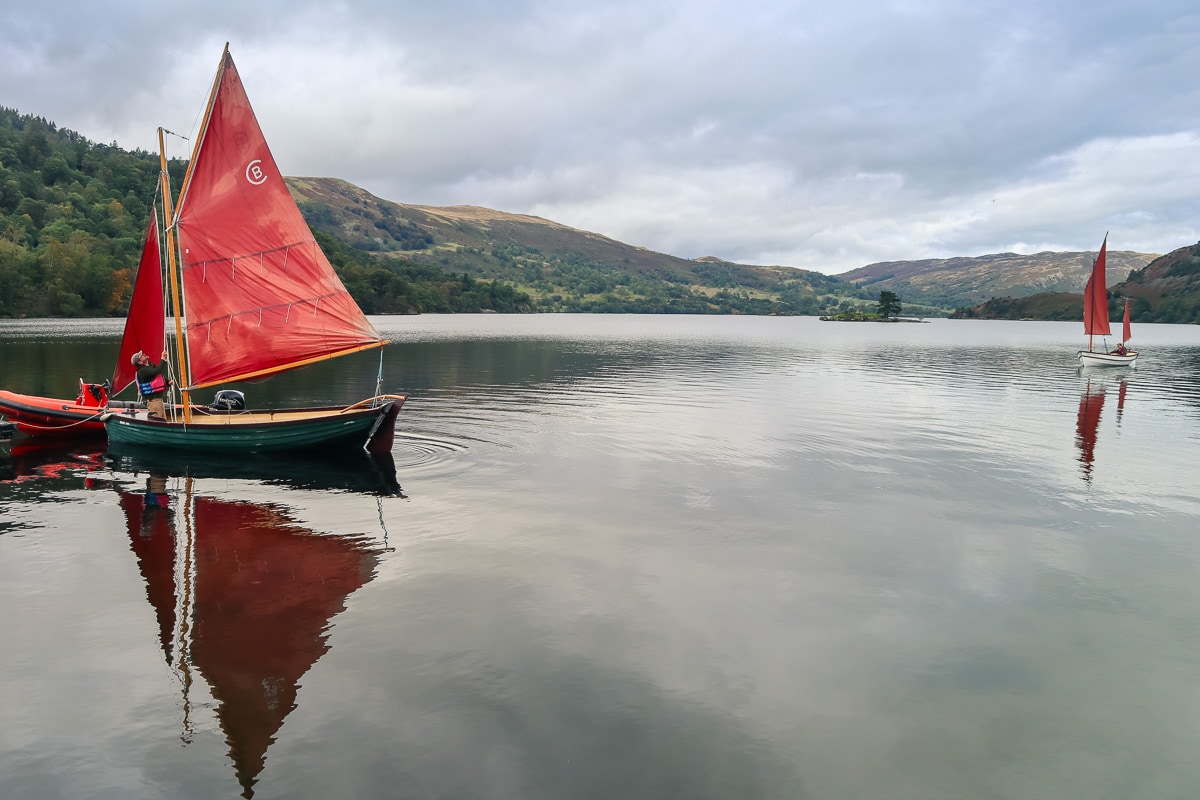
252	294
84	415
1095	320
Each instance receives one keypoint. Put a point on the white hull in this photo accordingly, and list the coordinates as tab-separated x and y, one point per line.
1089	358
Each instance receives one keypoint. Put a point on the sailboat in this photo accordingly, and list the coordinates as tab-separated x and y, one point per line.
35	415
252	295
1095	320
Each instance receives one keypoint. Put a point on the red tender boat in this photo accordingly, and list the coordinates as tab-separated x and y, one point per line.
43	416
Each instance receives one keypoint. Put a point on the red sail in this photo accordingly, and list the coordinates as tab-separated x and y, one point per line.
1095	298
259	295
1125	334
145	322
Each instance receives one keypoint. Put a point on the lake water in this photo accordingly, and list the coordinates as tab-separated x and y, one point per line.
633	557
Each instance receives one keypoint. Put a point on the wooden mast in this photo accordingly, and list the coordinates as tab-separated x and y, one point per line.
180	358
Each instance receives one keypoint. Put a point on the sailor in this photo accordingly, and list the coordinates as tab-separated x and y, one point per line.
152	382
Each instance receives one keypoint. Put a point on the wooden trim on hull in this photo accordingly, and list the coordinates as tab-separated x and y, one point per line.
1091	359
262	431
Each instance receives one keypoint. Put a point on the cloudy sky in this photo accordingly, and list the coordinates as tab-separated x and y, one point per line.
822	135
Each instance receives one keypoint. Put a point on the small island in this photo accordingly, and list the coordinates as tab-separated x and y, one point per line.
863	316
889	310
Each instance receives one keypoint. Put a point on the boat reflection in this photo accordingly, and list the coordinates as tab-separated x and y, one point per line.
1087	423
242	593
36	458
244	597
352	471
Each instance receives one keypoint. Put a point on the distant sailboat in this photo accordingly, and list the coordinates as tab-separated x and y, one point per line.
1095	320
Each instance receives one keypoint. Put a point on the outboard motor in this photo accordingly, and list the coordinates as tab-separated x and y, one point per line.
229	400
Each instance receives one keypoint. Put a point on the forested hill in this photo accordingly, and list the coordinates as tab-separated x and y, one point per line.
73	216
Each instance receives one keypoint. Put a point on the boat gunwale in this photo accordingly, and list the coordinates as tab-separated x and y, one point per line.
208	418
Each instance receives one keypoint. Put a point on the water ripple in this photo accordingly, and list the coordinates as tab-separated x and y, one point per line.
417	450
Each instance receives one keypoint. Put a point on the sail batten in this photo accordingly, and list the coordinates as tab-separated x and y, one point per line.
235	206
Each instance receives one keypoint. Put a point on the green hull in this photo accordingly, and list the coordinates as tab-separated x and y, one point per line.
232	434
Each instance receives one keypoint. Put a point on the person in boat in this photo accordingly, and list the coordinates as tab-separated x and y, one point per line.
1120	351
152	381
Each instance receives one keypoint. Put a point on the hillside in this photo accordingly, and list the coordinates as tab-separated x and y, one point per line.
1166	290
562	268
967	281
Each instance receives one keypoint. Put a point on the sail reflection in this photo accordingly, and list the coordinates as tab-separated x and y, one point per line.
1087	423
243	597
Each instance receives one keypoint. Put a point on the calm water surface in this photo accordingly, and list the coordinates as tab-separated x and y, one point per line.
635	557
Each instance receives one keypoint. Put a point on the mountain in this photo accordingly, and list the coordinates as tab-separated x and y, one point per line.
1165	290
562	268
967	281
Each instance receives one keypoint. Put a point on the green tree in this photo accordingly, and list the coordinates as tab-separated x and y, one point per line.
889	304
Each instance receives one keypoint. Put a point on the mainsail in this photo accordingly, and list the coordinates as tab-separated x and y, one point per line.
144	325
259	295
1095	298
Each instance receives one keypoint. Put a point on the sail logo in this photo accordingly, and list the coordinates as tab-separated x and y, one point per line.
255	174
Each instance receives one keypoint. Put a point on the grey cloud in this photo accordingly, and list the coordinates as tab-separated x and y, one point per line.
823	136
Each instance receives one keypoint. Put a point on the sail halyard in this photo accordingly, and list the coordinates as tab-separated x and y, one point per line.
259	295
